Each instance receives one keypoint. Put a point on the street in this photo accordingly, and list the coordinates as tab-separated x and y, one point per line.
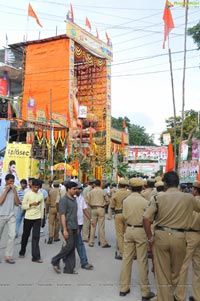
26	280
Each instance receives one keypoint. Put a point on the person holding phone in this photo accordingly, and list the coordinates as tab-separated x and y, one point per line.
33	203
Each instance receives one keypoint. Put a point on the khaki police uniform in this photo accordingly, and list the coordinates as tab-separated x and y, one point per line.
54	224
86	222
172	214
192	254
149	191
135	241
120	224
97	199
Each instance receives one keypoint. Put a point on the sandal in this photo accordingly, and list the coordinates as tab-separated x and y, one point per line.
10	260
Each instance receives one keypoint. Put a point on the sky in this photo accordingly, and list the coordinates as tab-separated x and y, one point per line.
141	82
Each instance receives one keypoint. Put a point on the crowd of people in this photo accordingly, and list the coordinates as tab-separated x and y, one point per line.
153	218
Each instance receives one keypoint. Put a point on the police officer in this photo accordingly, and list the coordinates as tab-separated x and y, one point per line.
117	205
97	199
86	222
52	212
149	191
159	187
192	254
135	241
172	214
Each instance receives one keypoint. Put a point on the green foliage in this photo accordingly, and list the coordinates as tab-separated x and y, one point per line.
122	169
137	134
195	33
189	128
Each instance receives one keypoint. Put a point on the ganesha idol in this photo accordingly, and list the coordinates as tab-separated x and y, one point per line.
82	125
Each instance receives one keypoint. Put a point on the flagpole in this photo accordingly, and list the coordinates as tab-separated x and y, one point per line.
183	84
51	136
173	99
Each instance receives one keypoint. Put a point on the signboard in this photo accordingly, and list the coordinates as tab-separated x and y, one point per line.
189	171
17	161
151	153
41	117
4	133
87	40
3	87
145	168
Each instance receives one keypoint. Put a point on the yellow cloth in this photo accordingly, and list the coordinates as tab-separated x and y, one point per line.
34	212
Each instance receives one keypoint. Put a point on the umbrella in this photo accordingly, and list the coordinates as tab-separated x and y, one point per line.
62	166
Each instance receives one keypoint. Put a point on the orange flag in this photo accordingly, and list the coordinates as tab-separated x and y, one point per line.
76	164
122	143
108	39
9	111
97	34
32	14
72	13
124	124
47	113
198	175
87	23
170	158
168	21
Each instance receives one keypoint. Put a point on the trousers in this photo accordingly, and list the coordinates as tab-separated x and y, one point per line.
67	253
10	222
29	225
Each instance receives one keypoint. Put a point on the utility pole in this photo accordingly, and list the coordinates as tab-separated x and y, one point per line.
51	136
183	84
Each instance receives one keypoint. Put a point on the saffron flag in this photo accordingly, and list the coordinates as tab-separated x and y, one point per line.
198	175
97	34
32	14
9	111
108	39
87	23
168	22
47	113
170	158
122	142
70	14
124	123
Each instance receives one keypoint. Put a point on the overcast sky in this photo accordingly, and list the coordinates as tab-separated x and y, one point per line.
141	85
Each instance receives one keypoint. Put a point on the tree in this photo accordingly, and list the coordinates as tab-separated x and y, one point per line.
137	134
190	127
195	33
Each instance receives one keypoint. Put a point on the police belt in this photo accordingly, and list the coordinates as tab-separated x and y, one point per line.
118	211
135	226
193	230
164	228
95	207
52	206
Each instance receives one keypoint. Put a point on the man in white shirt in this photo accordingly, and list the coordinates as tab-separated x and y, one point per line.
8	200
82	209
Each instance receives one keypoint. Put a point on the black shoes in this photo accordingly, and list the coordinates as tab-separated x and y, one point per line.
151	295
50	241
37	260
123	294
106	246
118	257
87	266
191	298
58	239
74	272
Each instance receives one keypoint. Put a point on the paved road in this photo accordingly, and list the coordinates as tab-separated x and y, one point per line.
30	281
